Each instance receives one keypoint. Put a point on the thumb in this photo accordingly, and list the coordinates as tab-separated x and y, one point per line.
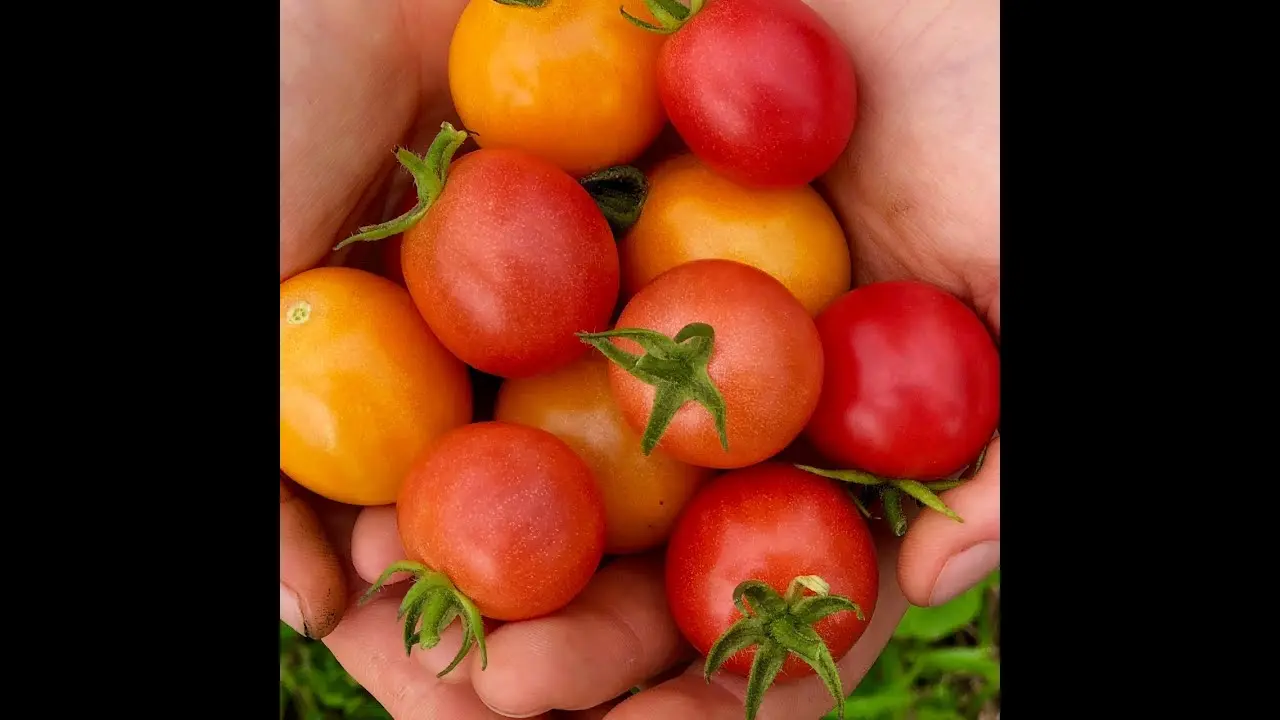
313	593
941	558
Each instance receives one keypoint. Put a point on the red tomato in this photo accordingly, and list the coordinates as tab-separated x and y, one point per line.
509	513
513	258
912	385
766	361
772	523
761	90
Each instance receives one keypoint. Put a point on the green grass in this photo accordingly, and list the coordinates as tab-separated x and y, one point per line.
943	664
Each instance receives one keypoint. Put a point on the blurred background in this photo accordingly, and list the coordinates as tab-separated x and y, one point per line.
943	664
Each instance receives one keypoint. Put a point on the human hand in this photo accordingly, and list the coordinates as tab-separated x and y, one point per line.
918	193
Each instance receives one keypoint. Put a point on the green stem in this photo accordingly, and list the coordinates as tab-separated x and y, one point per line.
675	367
670	14
891	491
777	626
619	192
429	175
522	3
430	606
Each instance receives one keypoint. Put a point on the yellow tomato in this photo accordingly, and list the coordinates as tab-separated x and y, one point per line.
364	385
642	495
570	80
692	213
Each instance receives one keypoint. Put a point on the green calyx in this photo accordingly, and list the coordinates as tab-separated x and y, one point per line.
675	367
429	174
429	607
670	14
892	490
619	192
778	625
522	3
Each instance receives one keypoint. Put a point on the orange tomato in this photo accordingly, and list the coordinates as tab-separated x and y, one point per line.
692	213
364	385
642	495
570	80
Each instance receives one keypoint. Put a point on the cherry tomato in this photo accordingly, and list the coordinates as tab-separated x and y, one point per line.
762	90
511	260
508	513
568	80
771	523
642	494
364	385
912	385
765	362
693	213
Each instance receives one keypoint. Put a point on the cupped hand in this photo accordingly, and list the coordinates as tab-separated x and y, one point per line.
918	193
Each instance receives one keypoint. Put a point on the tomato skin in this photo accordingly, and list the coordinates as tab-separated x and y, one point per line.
570	81
510	262
694	213
767	361
770	522
778	114
364	385
912	385
642	495
509	513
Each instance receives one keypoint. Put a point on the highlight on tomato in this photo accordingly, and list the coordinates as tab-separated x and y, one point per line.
505	255
498	520
715	363
762	90
643	494
771	573
364	385
911	392
566	80
694	213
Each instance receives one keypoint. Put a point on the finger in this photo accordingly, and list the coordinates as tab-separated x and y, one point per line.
689	697
596	713
613	636
313	591
942	558
368	645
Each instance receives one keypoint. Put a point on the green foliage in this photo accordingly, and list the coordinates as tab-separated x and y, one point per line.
943	664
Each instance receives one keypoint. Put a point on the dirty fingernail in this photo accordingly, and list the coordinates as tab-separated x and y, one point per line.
291	611
964	570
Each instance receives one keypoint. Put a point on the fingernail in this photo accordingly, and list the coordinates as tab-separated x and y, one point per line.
291	611
964	570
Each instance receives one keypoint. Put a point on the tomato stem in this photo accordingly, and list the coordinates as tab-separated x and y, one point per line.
891	491
670	14
429	175
676	368
430	606
619	192
778	625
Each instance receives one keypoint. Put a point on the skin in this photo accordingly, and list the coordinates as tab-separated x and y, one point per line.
912	386
918	193
762	90
568	81
511	260
769	522
364	385
767	361
642	495
693	212
509	513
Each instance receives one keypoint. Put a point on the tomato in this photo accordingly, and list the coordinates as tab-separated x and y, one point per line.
510	261
912	385
693	213
364	385
568	80
509	514
765	361
762	90
771	523
642	494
